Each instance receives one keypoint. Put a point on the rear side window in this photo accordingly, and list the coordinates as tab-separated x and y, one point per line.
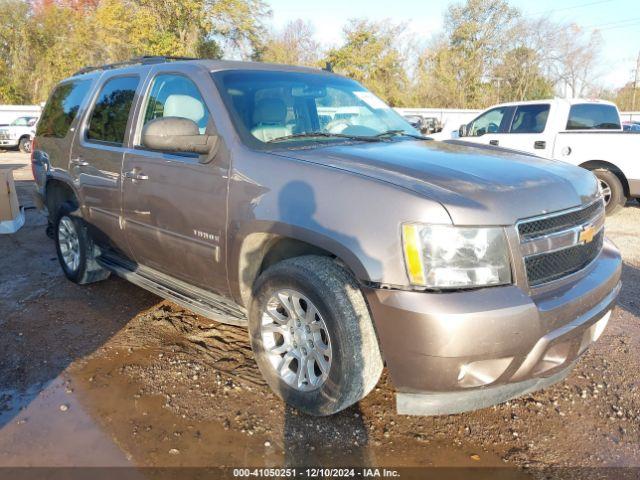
62	108
530	119
589	116
108	122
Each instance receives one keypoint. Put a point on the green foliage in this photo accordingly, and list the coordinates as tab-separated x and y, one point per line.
627	98
521	77
40	44
294	45
487	52
460	67
372	55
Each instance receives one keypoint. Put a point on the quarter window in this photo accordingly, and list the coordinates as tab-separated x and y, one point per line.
488	122
590	116
530	119
176	96
108	121
62	108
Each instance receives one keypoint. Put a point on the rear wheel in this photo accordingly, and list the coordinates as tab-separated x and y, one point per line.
312	335
611	189
76	251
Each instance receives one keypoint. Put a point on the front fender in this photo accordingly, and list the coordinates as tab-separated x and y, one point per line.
356	218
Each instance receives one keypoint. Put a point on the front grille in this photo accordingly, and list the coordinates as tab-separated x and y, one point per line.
4	136
545	226
546	261
547	267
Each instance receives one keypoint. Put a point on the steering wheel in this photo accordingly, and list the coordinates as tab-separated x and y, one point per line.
337	126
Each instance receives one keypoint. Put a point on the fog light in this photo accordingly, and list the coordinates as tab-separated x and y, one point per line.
482	372
553	357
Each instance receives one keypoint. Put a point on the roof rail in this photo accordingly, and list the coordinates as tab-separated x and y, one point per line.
143	60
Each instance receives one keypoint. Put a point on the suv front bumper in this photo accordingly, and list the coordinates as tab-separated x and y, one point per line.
454	352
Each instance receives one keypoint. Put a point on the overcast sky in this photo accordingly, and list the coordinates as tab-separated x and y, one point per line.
618	21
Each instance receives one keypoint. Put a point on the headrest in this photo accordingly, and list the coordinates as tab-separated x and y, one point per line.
183	106
272	111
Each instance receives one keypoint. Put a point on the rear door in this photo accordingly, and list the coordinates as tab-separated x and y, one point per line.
55	130
490	127
528	130
174	204
97	154
583	138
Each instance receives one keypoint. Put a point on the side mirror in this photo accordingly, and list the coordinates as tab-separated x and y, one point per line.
175	134
462	131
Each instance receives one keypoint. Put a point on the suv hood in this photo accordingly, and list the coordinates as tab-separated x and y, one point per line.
477	185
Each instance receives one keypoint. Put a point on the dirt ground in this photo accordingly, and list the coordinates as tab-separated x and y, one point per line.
111	375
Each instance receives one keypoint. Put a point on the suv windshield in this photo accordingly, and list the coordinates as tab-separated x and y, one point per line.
270	107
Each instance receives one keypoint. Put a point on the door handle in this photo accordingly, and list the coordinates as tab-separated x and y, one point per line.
540	144
134	176
495	143
79	162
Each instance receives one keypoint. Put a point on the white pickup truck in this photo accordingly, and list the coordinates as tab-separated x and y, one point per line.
587	133
18	134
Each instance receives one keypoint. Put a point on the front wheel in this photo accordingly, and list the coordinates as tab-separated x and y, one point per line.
612	191
312	335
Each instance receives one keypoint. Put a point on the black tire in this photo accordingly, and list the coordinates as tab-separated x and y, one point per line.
616	199
25	145
87	269
356	362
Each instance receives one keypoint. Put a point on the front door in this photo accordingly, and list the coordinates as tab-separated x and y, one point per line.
175	205
97	155
490	127
528	132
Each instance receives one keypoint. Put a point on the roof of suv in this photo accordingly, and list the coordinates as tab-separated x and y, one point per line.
211	65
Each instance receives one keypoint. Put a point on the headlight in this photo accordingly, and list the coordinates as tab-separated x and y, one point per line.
443	256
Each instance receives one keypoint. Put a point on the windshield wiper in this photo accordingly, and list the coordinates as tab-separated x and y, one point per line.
394	133
324	135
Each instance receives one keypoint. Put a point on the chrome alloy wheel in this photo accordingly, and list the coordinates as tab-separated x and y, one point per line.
605	190
296	340
69	243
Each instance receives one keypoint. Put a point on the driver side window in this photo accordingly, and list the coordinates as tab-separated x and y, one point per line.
174	95
489	122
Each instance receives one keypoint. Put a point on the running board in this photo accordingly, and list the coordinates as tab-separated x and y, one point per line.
204	303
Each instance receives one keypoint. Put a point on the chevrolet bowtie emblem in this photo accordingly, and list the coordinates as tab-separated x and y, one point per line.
587	234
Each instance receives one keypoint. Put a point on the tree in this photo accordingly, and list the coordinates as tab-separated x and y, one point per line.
238	24
14	58
372	55
478	32
46	40
521	76
460	67
576	56
293	45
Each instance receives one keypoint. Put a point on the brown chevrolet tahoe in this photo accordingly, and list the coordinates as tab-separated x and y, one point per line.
297	203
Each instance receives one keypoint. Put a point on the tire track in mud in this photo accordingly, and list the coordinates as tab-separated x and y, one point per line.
223	347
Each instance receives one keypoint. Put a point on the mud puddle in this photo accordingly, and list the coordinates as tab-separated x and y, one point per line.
57	429
199	417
